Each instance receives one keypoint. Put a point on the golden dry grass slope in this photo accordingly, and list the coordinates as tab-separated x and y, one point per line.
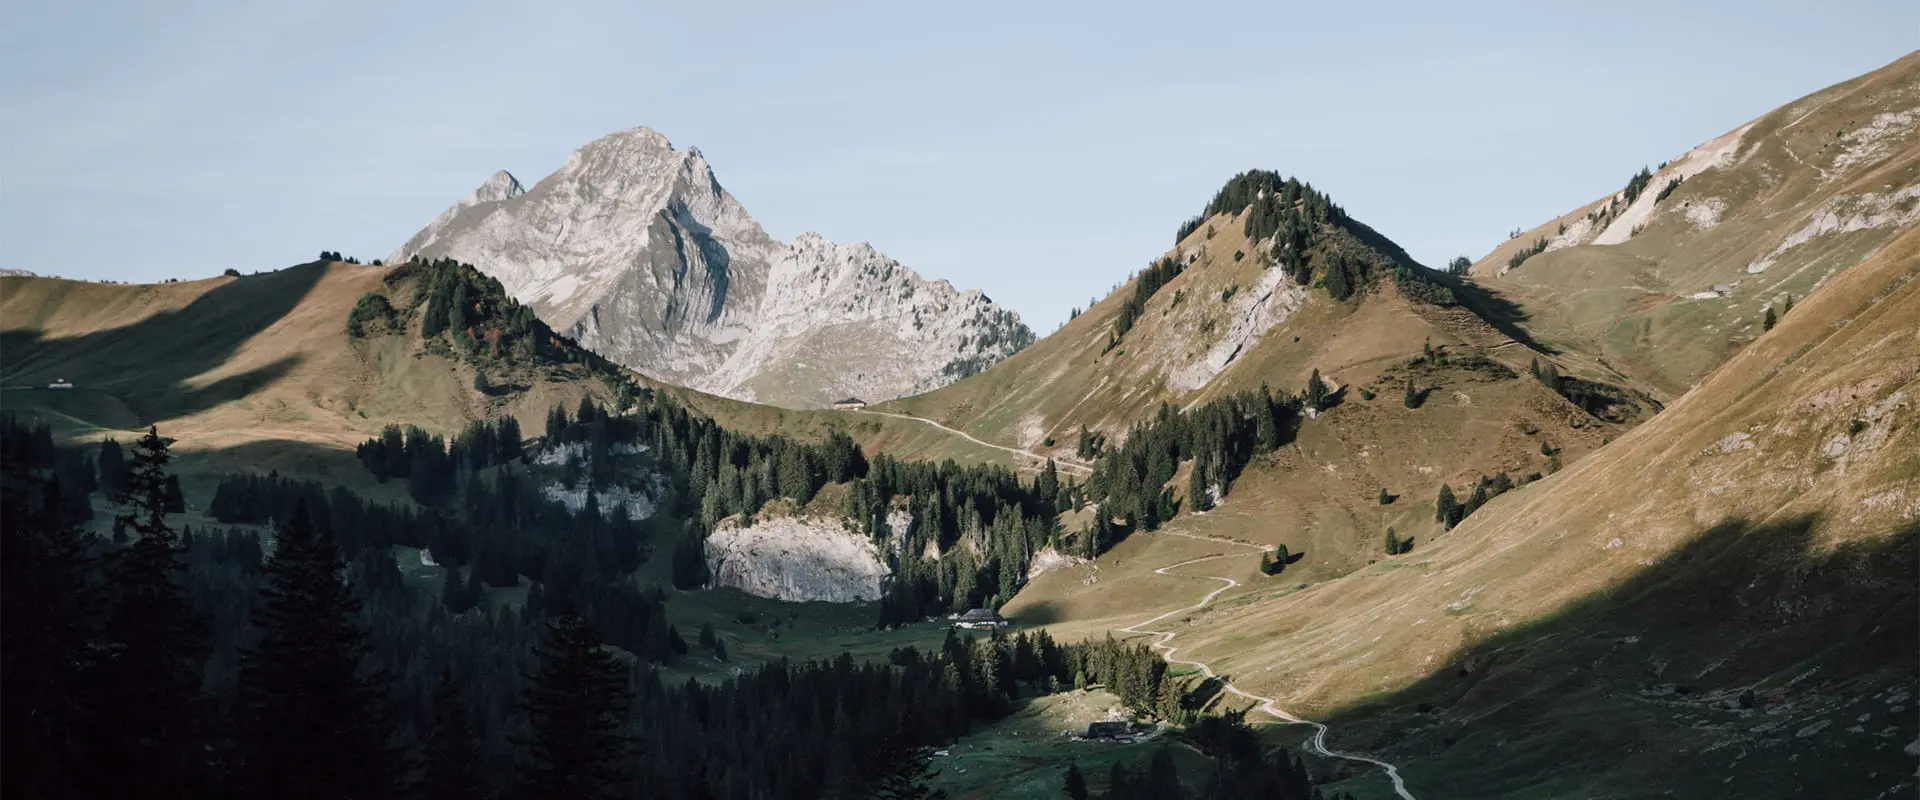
258	372
1723	602
253	372
1233	321
1770	210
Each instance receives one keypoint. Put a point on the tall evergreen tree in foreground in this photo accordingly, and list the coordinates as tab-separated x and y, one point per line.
577	706
453	762
155	733
313	721
49	611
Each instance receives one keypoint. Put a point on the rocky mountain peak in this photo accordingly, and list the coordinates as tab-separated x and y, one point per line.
502	186
634	248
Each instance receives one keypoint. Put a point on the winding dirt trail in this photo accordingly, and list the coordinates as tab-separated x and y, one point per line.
1072	466
1318	743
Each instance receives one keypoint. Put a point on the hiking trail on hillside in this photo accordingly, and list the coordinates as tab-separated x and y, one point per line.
1074	466
1316	744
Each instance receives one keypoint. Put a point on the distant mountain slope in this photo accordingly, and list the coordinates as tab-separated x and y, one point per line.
231	361
1253	294
634	248
1666	278
1736	576
262	368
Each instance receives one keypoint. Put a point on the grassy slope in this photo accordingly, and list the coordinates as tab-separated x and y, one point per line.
253	372
1743	538
258	371
1626	305
1320	494
1066	380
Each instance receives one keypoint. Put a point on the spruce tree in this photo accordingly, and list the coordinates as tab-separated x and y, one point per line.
1316	391
453	592
1768	322
314	720
1076	787
1413	396
576	705
156	729
453	760
1394	544
902	773
113	468
1199	493
1446	509
176	500
49	610
1163	777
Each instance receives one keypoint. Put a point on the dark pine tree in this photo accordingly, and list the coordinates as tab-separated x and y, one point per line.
176	499
453	760
903	774
48	615
1076	787
155	732
113	468
313	719
1446	509
576	704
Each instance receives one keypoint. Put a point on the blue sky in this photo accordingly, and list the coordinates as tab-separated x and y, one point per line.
1040	152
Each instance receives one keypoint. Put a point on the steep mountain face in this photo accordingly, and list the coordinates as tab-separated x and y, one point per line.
633	248
1664	279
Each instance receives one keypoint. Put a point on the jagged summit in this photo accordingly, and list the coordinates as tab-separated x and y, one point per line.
634	248
502	186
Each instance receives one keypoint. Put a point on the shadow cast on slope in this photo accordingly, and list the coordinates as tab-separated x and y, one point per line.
148	366
1504	315
1746	636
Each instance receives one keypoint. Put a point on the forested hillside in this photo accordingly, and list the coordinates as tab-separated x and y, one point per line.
302	663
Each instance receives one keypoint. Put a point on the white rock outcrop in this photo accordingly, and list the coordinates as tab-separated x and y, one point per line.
797	559
633	248
1271	302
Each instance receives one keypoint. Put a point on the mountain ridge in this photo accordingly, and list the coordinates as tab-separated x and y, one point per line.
634	248
1666	278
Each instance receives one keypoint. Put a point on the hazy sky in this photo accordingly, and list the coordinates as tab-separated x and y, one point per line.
1037	152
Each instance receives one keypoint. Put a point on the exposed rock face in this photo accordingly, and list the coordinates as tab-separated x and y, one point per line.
634	248
841	320
797	559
